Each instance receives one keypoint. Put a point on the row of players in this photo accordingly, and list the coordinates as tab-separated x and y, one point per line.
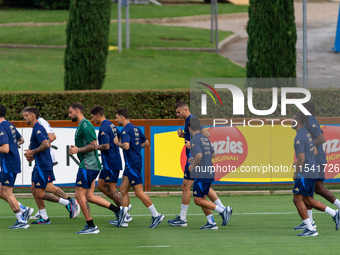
131	140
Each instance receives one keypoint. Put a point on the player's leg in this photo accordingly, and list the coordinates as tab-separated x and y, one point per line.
226	214
327	194
124	190
8	180
40	203
214	198
107	183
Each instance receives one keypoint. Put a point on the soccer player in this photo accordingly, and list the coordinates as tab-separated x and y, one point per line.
86	149
132	141
111	159
313	127
200	163
182	110
43	175
305	169
11	166
64	198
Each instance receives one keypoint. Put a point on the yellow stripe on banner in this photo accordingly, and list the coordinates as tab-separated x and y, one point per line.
168	148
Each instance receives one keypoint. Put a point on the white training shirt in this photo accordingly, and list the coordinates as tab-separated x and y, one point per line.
49	130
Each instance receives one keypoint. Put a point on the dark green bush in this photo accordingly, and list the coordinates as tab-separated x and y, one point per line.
42	4
153	104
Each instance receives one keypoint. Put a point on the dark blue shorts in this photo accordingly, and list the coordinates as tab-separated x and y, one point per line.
109	175
35	171
187	173
134	174
8	179
321	169
86	177
200	188
304	186
42	178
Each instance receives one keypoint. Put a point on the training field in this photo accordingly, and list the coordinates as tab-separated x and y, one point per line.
260	224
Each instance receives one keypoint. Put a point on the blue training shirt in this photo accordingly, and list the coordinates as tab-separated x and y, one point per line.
314	129
204	170
43	160
10	162
187	135
303	143
134	136
111	159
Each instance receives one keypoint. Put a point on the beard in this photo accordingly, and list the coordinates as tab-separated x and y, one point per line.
75	119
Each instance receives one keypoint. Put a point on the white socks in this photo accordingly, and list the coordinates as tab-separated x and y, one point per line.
219	203
63	201
210	219
219	209
19	218
310	215
330	211
183	214
337	203
43	214
308	223
153	211
22	208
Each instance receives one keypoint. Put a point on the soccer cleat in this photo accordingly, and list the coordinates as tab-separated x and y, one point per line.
212	226
42	221
155	221
177	222
89	230
303	226
336	219
115	223
128	218
73	208
308	232
20	225
27	214
121	216
37	216
226	214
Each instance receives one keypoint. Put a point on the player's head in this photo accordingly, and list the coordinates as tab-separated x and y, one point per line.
122	115
310	106
75	110
32	115
23	113
182	109
300	120
194	125
2	111
97	113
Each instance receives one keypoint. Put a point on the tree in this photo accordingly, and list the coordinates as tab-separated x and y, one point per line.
272	40
87	44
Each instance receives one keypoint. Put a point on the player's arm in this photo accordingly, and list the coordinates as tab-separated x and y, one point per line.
125	146
315	151
43	146
92	146
299	164
144	144
4	148
195	162
319	140
205	132
51	137
104	147
20	141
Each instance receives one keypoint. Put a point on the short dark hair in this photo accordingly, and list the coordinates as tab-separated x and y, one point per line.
98	109
123	112
194	124
25	109
34	110
181	104
310	106
2	110
301	117
78	106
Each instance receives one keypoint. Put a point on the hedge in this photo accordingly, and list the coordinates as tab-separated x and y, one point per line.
153	104
43	4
